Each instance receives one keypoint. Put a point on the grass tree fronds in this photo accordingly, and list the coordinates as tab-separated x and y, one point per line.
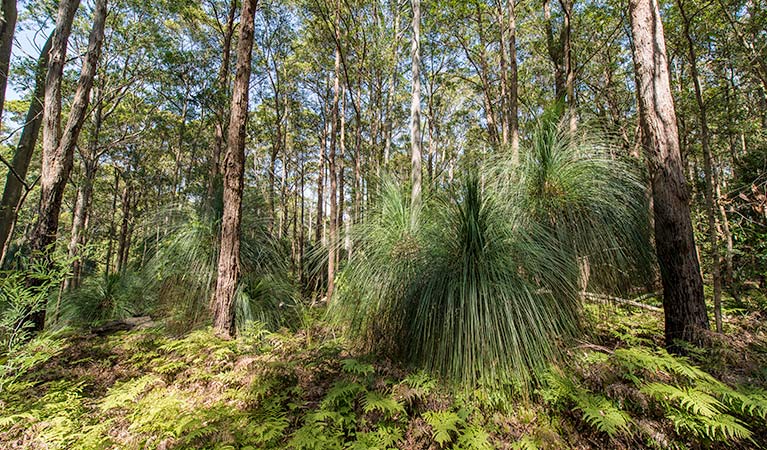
183	267
459	291
594	203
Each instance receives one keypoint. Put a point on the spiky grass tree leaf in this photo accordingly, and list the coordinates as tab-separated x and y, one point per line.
481	286
454	288
594	202
100	298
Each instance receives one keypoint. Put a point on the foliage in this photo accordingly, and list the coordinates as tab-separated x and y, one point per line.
183	267
101	298
482	284
640	390
593	201
24	292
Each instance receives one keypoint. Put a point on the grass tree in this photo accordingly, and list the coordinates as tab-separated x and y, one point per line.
480	285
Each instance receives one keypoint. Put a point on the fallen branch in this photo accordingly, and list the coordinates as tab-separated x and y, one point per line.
602	298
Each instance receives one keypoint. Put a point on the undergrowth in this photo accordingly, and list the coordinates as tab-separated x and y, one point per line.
305	390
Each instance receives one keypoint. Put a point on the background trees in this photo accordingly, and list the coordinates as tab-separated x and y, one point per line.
331	113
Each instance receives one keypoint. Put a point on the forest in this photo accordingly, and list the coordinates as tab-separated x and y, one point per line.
383	224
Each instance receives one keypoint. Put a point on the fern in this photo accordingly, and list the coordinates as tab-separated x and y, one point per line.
444	425
8	421
355	367
696	412
474	438
602	414
750	402
383	438
342	393
526	443
122	394
690	400
598	411
636	360
268	430
373	401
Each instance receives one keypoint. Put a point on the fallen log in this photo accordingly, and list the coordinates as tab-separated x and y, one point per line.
126	324
602	298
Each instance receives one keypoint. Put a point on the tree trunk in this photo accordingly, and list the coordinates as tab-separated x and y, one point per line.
84	193
513	103
234	169
110	242
14	182
58	150
683	304
7	28
392	85
122	242
332	231
415	109
484	76
556	54
711	211
504	76
320	186
567	56
341	170
214	176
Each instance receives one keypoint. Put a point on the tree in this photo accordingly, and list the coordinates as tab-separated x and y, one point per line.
6	43
234	169
683	305
708	192
15	181
415	108
58	147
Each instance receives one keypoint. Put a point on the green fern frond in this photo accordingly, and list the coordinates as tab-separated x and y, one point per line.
526	443
444	425
749	402
689	399
602	414
342	392
374	401
120	395
8	421
474	438
355	367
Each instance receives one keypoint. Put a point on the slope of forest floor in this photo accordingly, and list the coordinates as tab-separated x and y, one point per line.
616	388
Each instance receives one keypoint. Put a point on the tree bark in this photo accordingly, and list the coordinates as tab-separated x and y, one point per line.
556	54
321	184
504	76
122	241
513	102
110	242
569	66
234	169
683	304
392	85
415	109
214	176
14	182
58	149
708	192
85	192
7	28
332	229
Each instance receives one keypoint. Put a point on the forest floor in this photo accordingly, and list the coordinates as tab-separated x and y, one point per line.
306	389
